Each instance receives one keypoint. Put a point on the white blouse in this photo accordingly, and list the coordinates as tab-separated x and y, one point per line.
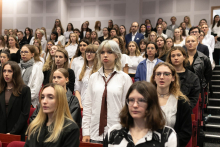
210	40
216	30
125	59
77	63
100	33
71	49
150	68
61	38
117	89
67	35
135	61
182	43
170	110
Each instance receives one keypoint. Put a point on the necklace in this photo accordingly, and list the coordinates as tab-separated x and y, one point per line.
163	95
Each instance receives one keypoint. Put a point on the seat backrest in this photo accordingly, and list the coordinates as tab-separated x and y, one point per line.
16	144
31	112
0	144
6	138
83	144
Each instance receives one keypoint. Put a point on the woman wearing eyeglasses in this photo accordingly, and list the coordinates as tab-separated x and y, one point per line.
174	104
141	121
31	73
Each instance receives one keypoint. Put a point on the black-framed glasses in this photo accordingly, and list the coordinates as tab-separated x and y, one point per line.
140	102
165	74
24	52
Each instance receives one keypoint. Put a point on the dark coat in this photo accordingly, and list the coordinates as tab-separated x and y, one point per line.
18	112
202	48
137	38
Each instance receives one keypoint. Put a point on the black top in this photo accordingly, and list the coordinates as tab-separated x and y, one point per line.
69	85
190	86
27	40
190	67
23	42
16	56
102	38
109	29
202	48
164	57
69	136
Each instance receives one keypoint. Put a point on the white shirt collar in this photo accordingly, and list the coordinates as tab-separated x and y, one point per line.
134	34
102	73
154	61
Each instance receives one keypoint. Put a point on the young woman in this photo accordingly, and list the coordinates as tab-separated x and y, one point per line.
34	37
97	42
28	35
72	45
115	26
61	38
98	29
142	47
57	24
6	41
152	37
178	40
84	29
83	75
69	30
88	35
160	31
184	32
41	52
4	57
141	121
169	43
122	31
108	85
94	36
78	60
32	74
61	77
162	48
14	48
189	82
54	125
148	30
10	31
54	38
47	52
145	68
142	29
134	54
2	43
45	37
216	25
15	100
187	21
174	104
105	34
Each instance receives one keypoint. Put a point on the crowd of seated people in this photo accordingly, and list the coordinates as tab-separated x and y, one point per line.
135	86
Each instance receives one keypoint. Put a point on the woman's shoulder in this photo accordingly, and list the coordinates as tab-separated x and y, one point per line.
69	125
115	128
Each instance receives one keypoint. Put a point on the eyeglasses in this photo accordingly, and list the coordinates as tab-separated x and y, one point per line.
90	52
165	74
148	26
140	102
24	52
194	32
83	45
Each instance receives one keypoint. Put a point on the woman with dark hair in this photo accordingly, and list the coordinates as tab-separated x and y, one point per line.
97	42
61	38
174	104
84	29
189	82
57	24
2	43
141	121
105	34
159	22
15	100
142	47
148	30
28	35
162	48
115	26
145	68
122	31
54	37
6	41
94	36
183	31
169	43
31	73
216	30
4	57
143	30
98	29
88	36
69	30
14	48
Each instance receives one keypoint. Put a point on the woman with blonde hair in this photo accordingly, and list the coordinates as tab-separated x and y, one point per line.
72	45
82	77
94	37
98	29
188	22
174	104
69	30
42	53
177	38
14	48
152	37
54	125
106	93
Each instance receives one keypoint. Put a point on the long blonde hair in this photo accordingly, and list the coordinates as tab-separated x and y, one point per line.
89	48
49	61
61	113
69	42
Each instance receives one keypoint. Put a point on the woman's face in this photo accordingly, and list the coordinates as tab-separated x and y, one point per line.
191	43
27	31
59	78
49	44
177	58
181	30
84	26
11	41
159	28
8	73
108	57
57	22
132	48
160	42
137	105
26	55
105	31
11	32
152	37
73	38
186	20
60	59
151	50
53	36
205	28
163	77
202	22
53	50
177	33
48	100
99	24
58	30
143	28
115	27
201	37
69	26
217	18
4	58
142	46
183	25
82	47
90	55
36	43
122	29
148	27
88	35
93	35
169	43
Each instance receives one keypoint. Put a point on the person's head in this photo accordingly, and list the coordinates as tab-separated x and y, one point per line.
149	27
186	19
76	31
97	43
40	34
54	36
177	57
113	32
90	53
134	27
57	22
84	26
115	26
142	45
202	22
87	22
159	21
6	31
5	56
2	40
216	18
173	19
6	39
153	36
201	36
191	43
169	42
27	52
61	58
122	30
164	23
133	48
183	25
81	47
61	77
73	38
147	21
88	35
142	28
69	27
161	41
11	32
53	50
98	25
20	35
13	42
11	73
142	98
110	23
159	28
105	31
109	55
15	31
27	31
151	50
120	42
177	34
59	31
37	42
94	35
205	28
49	45
194	31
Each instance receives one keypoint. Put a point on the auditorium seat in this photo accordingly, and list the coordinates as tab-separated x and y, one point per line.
7	138
16	144
0	144
31	112
83	144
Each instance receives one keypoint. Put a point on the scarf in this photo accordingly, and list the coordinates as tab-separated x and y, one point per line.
28	66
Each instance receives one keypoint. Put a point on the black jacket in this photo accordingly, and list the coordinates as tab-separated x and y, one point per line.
69	137
18	113
190	86
183	125
202	48
22	42
74	107
69	85
28	40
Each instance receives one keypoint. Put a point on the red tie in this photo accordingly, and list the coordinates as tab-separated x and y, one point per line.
103	114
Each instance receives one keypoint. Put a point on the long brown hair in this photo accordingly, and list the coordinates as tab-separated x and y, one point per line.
174	38
16	78
32	49
213	22
89	48
153	114
121	44
60	25
96	25
164	49
16	41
